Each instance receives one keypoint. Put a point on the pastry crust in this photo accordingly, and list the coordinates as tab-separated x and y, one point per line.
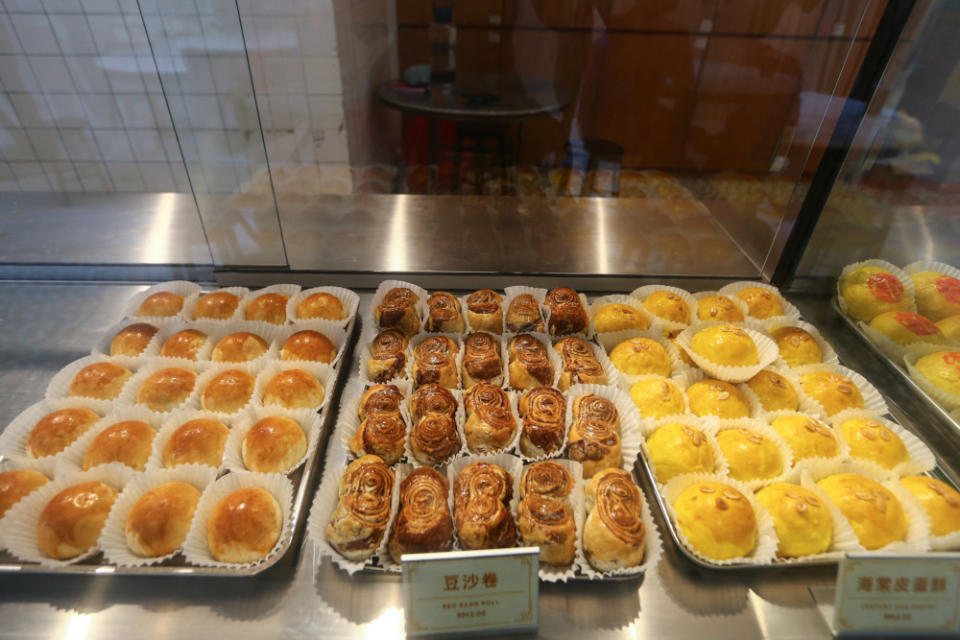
594	444
942	370
58	430
239	347
802	522
833	391
199	441
481	495
567	314
590	406
167	389
18	484
872	440
717	520
614	533
489	429
875	514
657	398
937	294
388	356
322	305
294	389
667	305
641	356
424	523
101	380
219	305
774	391
71	522
484	395
529	364
727	345
907	328
548	524
481	360
807	437
383	435
398	310
273	445
523	314
434	360
485	311
184	344
676	448
244	526
228	392
380	399
939	500
132	339
543	430
547	479
434	438
580	365
162	304
159	520
717	307
443	313
950	327
869	291
619	317
268	307
717	398
761	303
129	442
360	518
308	345
797	347
750	455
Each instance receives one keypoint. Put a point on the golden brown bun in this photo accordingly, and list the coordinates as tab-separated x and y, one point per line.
380	434
614	533
717	398
833	391
58	430
869	291
942	370
308	345
434	361
485	311
774	391
489	429
523	314
907	328
273	445
388	356
132	340
875	514
950	327
807	437
229	391
167	389
937	294
938	499
219	305
530	365
750	455
199	441
71	522
667	305
547	479
158	522
727	345
641	356
567	314
619	317
481	360
716	520
718	307
360	518
321	305
18	484
423	522
544	411
657	398
269	307
184	344
802	522
128	442
244	526
797	347
162	304
481	498
294	389
384	399
761	303
239	347
873	441
580	365
101	380
677	448
548	524
590	406
443	313
434	438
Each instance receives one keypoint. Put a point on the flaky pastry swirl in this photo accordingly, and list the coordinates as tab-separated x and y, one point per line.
380	399
524	314
484	395
423	523
547	479
567	314
618	503
578	359
592	440
484	301
544	414
381	435
443	308
481	356
360	518
389	346
432	398
434	438
482	493
531	353
593	407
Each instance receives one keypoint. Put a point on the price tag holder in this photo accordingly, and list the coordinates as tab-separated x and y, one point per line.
898	594
471	591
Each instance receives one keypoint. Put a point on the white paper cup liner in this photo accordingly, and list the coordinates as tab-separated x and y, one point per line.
386	286
681	382
18	528
588	331
268	332
551	573
552	356
631	432
757	410
609	342
829	356
457	361
921	459
766	431
790	312
307	419
872	400
128	397
332	330
289	290
512	293
102	345
901	275
213	371
174	421
709	428
59	386
459	418
765	548
366	338
13	439
113	539
71	460
195	548
896	351
947	400
166	331
843	452
499	381
188	290
240	292
767	351
348	298
322	372
642	293
631	302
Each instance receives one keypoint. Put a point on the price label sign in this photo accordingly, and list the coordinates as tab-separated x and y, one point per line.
898	594
471	591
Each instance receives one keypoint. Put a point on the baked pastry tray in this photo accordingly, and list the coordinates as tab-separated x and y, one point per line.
304	480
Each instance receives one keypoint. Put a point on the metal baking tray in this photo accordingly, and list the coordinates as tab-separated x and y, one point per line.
304	479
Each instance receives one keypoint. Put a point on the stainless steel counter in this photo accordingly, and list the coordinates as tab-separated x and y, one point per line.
44	326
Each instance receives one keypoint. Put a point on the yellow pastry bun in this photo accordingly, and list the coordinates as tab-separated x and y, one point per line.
717	398
56	431
668	306
132	339
239	347
875	514
101	380
717	520
219	305
639	356
802	522
834	392
308	345
618	317
797	347
870	291
937	294
71	522
294	389
774	391
761	303
938	499
198	441
18	484
677	448
750	455
228	392
941	369
717	307
907	328
950	327
874	441
183	344
727	345
273	445
807	437
244	526
657	397
166	389
162	304
321	305
159	520
269	307
128	441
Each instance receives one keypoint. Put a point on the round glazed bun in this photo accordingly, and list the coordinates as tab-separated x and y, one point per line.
199	441
807	437
719	307
907	328
308	345
833	391
244	526
619	317
727	345
239	347
761	303
875	514
677	448
797	347
56	431
183	344
657	398
937	294
71	522
750	455
668	306
294	389
774	391
802	522
18	484
942	369
273	445
939	500
639	356
101	380
132	340
950	327
321	305
219	305
158	522
229	391
872	440
869	291
269	307
166	389
717	520
162	304
717	398
128	442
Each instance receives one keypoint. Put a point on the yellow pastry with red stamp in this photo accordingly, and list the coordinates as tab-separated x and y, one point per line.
937	294
870	291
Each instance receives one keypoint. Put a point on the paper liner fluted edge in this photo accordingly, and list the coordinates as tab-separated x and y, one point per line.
767	353
306	419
